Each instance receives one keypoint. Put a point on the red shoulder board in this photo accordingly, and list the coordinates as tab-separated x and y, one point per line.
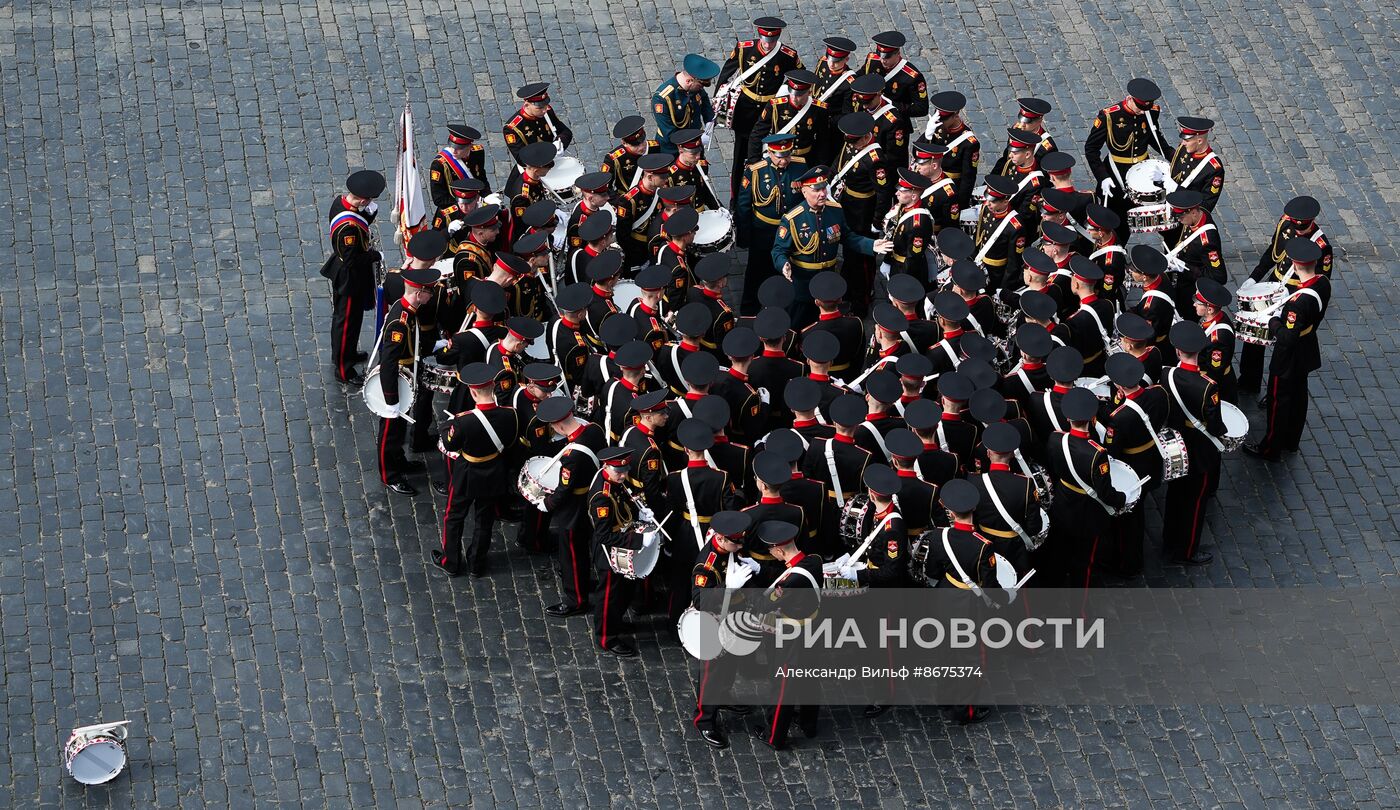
1115	108
911	70
516	120
748	43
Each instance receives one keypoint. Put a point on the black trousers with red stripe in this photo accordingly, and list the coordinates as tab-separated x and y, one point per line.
1187	500
392	461
573	541
347	315
778	719
716	676
1288	413
460	504
612	594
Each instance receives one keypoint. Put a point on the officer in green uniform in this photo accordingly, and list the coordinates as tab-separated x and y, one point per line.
681	101
808	238
768	189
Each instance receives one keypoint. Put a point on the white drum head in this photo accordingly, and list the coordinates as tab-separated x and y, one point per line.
444	266
625	293
538	350
567	169
1124	479
970	214
699	632
1006	573
373	395
98	762
1099	387
545	470
741	632
1236	423
713	226
1150	177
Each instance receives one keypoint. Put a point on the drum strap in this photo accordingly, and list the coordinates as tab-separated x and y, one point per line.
1152	125
738	81
976	325
992	240
1196	172
870	538
838	80
1147	423
490	431
1103	333
894	71
835	476
953	144
948	350
690	509
608	405
1180	246
928	192
1026	381
1190	420
1020	187
790	571
641	223
1107	250
957	566
1073	473
855	384
850	164
1310	293
942	439
1176	316
879	440
886	107
796	119
1050	412
1001	508
582	448
1218	326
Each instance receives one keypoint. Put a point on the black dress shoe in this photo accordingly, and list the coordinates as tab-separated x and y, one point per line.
1259	452
762	736
402	488
440	488
451	572
354	378
564	611
621	649
1264	400
875	710
480	571
967	715
360	357
809	731
714	738
1199	558
736	710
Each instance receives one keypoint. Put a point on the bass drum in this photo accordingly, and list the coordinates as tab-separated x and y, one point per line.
1125	480
538	480
1236	426
373	394
715	234
560	179
699	634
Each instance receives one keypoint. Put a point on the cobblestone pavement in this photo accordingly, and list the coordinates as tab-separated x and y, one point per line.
195	538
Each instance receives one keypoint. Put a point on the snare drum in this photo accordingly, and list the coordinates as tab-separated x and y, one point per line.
853	519
95	755
373	394
1038	539
442	448
1150	218
715	234
918	557
560	179
1175	462
437	377
1260	296
444	266
1149	182
1098	385
1125	480
1236	426
967	219
1253	328
635	563
833	584
537	349
699	633
538	480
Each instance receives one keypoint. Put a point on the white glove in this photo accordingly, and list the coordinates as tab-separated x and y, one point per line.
838	382
440	345
646	515
849	572
705	140
372	208
649	539
764	396
456	226
559	238
736	576
749	563
884	271
1106	187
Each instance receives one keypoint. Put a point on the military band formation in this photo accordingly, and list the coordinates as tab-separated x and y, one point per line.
932	369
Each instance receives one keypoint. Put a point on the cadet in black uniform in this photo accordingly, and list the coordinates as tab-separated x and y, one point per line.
798	114
1130	435
536	439
1128	128
960	557
477	443
709	580
795	595
535	122
1217	360
621	163
1195	165
1008	510
1193	247
1001	235
568	520
1084	499
760	65
918	498
612	507
838	462
962	151
1157	305
1090	325
910	226
405	340
1296	353
1195	414
351	268
463	158
904	83
694	492
645	434
828	291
